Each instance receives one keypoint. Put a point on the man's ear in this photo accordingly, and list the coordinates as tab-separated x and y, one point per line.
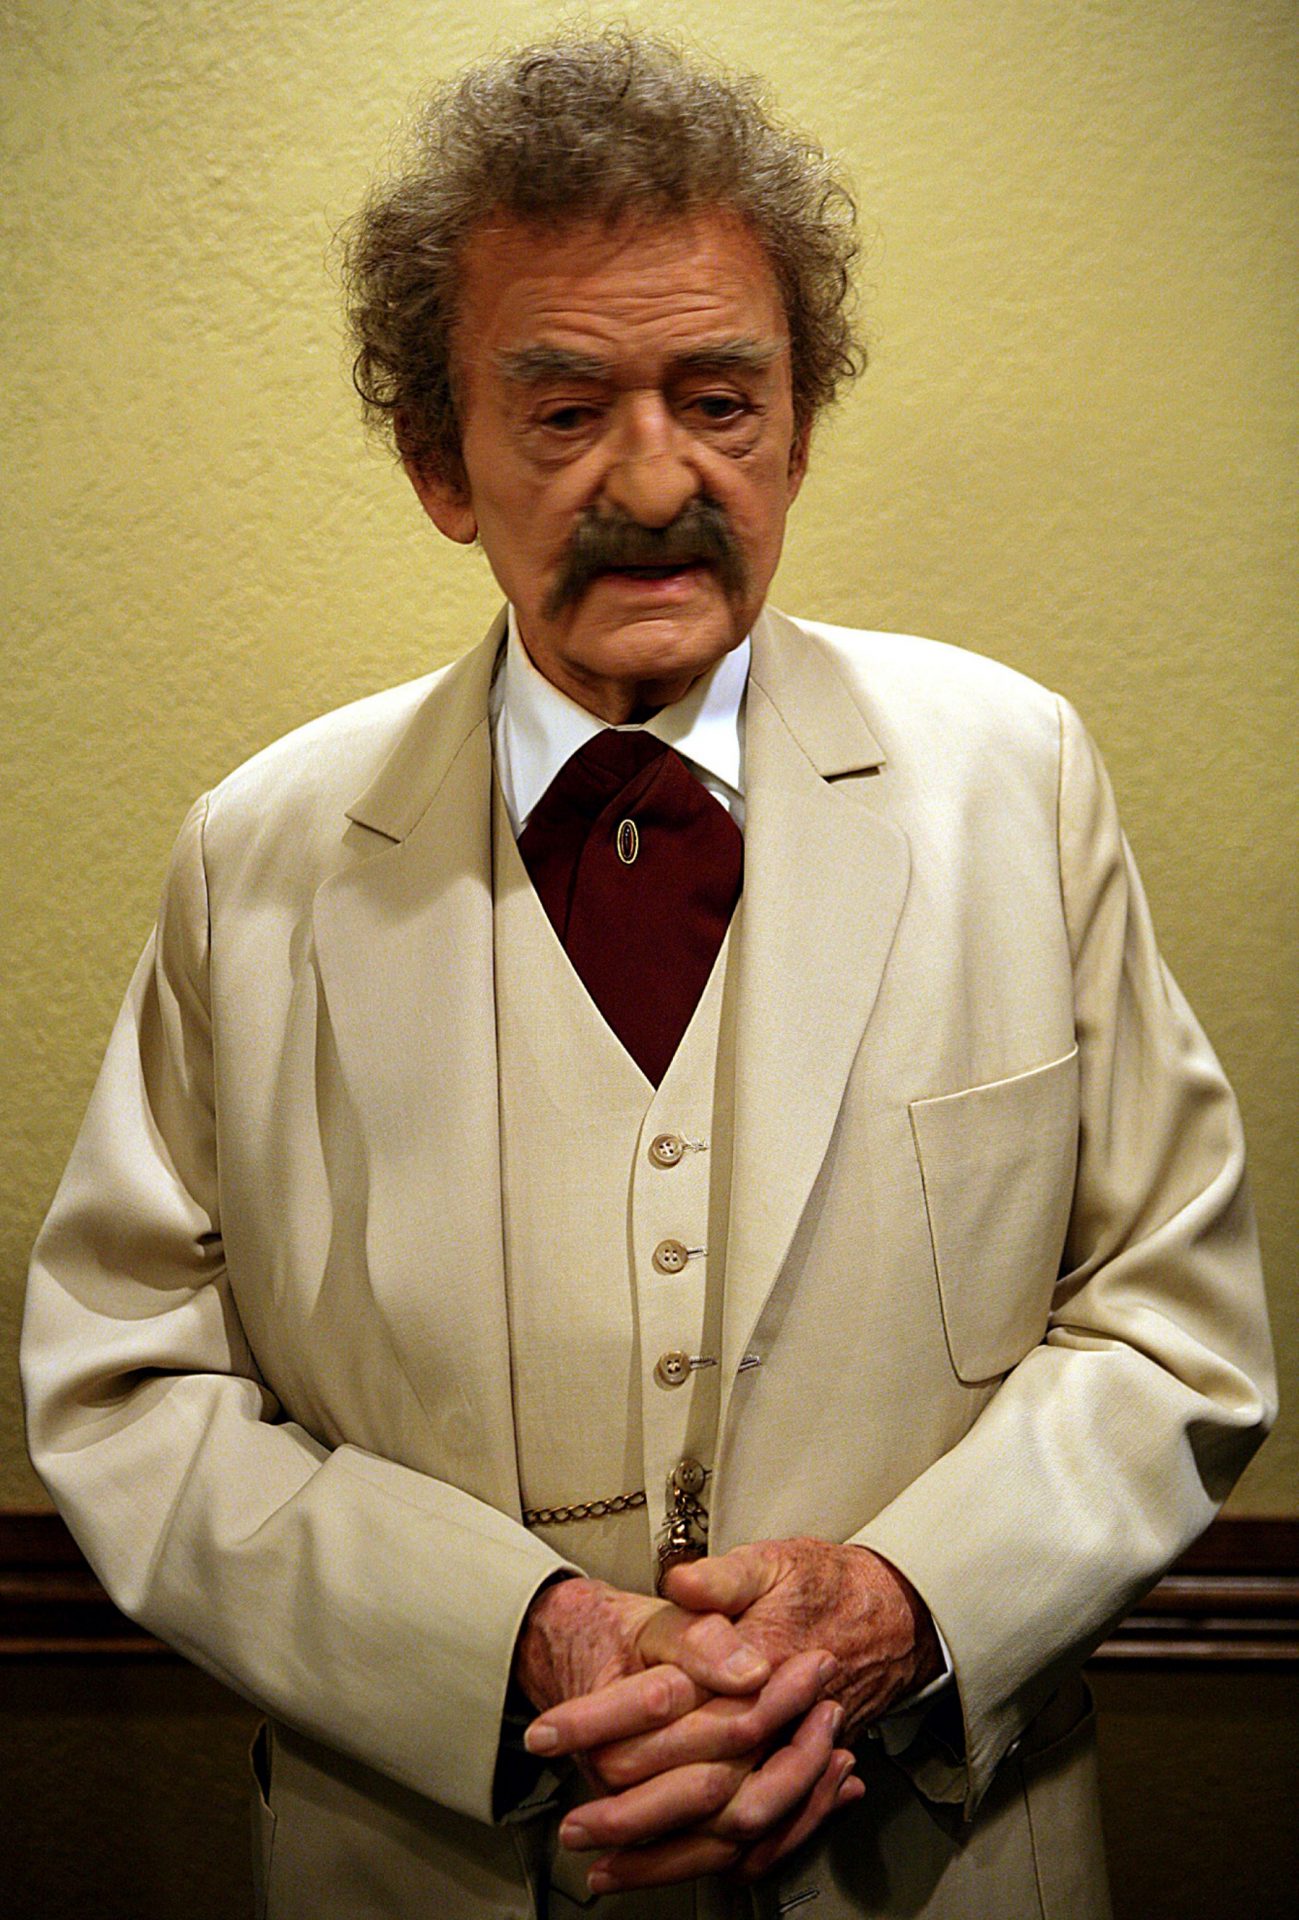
798	457
446	502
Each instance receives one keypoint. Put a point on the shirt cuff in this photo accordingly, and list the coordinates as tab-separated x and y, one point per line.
896	1729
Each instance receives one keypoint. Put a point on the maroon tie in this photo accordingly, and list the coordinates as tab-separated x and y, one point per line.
639	869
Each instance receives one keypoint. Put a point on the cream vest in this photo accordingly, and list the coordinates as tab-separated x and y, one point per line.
616	1200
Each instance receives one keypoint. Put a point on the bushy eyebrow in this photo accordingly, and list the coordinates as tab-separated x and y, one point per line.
530	366
744	355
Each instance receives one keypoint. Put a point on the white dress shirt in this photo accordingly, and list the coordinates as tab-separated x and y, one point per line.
536	729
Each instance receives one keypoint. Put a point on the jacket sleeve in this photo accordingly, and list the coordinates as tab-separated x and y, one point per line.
371	1607
1107	1450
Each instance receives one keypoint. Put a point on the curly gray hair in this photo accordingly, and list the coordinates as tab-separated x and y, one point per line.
598	127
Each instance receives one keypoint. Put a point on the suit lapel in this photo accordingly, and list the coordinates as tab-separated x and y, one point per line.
404	944
825	880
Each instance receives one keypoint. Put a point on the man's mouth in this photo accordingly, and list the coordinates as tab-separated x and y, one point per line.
671	560
658	573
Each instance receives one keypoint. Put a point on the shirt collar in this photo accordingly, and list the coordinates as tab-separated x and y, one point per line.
536	728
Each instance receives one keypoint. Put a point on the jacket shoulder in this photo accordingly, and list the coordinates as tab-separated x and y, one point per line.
323	764
906	685
277	826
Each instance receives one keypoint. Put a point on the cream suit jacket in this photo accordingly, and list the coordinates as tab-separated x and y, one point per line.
989	1237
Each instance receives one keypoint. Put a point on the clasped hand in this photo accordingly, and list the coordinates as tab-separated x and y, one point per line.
715	1721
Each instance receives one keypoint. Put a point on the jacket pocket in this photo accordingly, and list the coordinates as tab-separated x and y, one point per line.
997	1164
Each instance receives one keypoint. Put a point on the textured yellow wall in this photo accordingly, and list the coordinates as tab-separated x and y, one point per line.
1076	449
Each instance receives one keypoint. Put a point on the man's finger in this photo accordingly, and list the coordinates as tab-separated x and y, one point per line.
793	1780
637	1704
706	1646
838	1786
682	1798
686	1857
781	1785
723	1727
726	1583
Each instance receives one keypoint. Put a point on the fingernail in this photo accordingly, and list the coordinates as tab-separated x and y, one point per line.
540	1739
598	1881
836	1721
745	1664
827	1669
573	1834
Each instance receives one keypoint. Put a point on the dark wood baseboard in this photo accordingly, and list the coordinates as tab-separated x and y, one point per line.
1232	1601
50	1601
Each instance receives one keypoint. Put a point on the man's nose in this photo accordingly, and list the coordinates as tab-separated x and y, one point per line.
651	475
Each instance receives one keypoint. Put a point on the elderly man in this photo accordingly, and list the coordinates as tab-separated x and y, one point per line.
656	1256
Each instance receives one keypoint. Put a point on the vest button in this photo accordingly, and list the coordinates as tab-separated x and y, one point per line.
666	1149
673	1369
688	1476
670	1256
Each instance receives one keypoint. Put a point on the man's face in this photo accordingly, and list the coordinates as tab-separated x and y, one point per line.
629	445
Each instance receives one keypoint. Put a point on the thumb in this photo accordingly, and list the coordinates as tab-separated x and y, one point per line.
707	1648
728	1584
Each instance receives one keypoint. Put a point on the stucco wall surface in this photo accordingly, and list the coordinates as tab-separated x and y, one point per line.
1075	449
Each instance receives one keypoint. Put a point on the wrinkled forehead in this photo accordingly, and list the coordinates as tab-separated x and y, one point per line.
594	293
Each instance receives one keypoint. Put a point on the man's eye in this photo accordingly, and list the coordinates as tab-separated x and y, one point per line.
569	419
718	408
